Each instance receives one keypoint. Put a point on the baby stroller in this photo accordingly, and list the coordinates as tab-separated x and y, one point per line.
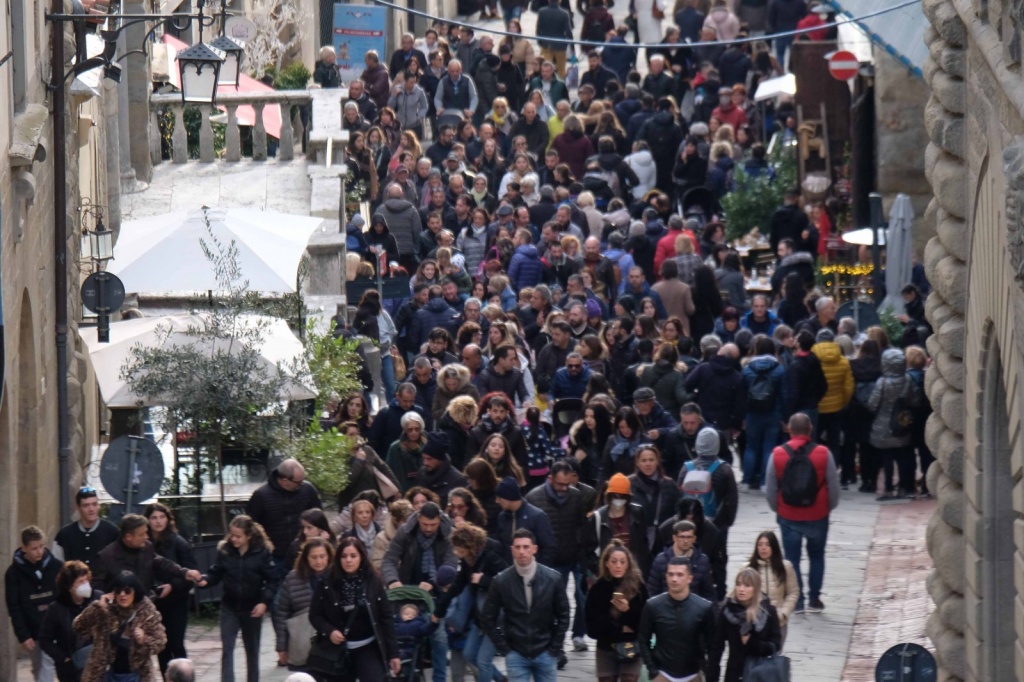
699	203
414	649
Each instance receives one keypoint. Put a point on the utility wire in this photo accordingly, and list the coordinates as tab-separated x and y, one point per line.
637	46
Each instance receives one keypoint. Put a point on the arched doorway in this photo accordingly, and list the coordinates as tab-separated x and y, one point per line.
998	632
28	384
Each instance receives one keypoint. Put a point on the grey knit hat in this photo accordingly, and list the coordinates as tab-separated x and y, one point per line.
707	442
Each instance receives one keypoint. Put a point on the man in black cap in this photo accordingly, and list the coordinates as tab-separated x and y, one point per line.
437	473
517	513
653	417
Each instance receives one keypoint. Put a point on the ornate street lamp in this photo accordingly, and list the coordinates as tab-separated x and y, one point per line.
234	51
199	67
101	243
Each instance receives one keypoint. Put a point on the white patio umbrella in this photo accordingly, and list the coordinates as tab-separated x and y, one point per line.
279	346
163	254
898	265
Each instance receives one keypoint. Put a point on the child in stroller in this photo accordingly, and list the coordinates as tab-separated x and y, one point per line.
413	627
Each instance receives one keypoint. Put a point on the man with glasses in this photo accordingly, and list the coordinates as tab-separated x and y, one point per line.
569	381
684	537
278	504
82	540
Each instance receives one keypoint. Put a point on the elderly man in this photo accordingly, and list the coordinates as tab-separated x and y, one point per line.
182	670
404	223
278	504
456	94
400	57
357	93
824	317
531	127
378	82
658	82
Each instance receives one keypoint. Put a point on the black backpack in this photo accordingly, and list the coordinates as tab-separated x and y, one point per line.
799	485
593	31
761	397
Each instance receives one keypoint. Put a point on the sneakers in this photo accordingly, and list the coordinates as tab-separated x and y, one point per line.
799	610
579	644
563	661
744	488
815	606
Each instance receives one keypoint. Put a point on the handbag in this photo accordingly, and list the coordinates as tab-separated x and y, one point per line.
326	657
300	637
774	668
627	652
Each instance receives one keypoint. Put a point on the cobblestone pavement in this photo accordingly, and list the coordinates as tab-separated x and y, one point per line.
874	595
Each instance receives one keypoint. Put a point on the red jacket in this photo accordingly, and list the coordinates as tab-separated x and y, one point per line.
667	248
820	458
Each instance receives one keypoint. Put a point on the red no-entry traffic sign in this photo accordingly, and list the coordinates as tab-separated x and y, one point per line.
843	65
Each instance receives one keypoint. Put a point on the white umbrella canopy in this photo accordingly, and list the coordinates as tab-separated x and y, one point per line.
279	347
898	265
163	254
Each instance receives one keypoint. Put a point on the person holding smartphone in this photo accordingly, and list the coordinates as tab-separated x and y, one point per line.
613	608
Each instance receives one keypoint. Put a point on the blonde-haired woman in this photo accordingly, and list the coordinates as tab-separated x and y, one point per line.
749	624
687	259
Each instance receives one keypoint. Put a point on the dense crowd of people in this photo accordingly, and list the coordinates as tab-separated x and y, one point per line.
579	391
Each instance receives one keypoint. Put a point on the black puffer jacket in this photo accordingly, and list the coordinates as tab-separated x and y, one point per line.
57	636
326	613
178	550
249	579
527	630
685	630
513	434
29	593
567	519
278	510
657	496
721	392
295	596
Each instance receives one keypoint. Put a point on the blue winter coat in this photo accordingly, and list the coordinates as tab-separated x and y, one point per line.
436	313
565	385
767	327
525	269
777	374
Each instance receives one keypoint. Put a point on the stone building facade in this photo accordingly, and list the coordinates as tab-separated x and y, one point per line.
975	162
29	481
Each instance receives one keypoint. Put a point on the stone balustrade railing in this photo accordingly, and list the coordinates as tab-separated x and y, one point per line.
259	101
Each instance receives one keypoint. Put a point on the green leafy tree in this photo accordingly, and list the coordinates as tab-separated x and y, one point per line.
753	200
214	382
333	365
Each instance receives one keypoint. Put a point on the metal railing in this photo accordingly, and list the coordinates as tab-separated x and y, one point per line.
230	102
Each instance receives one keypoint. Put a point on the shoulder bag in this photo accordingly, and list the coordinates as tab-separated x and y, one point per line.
300	637
326	657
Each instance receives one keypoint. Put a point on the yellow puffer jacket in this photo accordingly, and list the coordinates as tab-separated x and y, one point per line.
837	372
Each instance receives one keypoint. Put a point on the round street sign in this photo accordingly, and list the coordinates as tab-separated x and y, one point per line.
843	65
132	467
107	299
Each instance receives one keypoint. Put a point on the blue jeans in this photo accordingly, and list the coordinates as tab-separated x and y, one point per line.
542	668
579	626
387	377
762	435
510	13
230	623
816	534
479	652
439	652
781	45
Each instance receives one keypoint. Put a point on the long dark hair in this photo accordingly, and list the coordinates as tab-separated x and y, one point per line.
778	568
628	415
163	539
706	290
302	560
794	289
317	519
365	570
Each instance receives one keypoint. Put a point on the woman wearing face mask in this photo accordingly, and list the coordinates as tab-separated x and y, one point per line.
748	624
614	605
57	636
619	519
173	607
291	608
126	632
244	565
653	490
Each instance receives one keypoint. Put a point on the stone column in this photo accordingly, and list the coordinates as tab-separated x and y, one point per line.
112	138
124	149
137	76
945	262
